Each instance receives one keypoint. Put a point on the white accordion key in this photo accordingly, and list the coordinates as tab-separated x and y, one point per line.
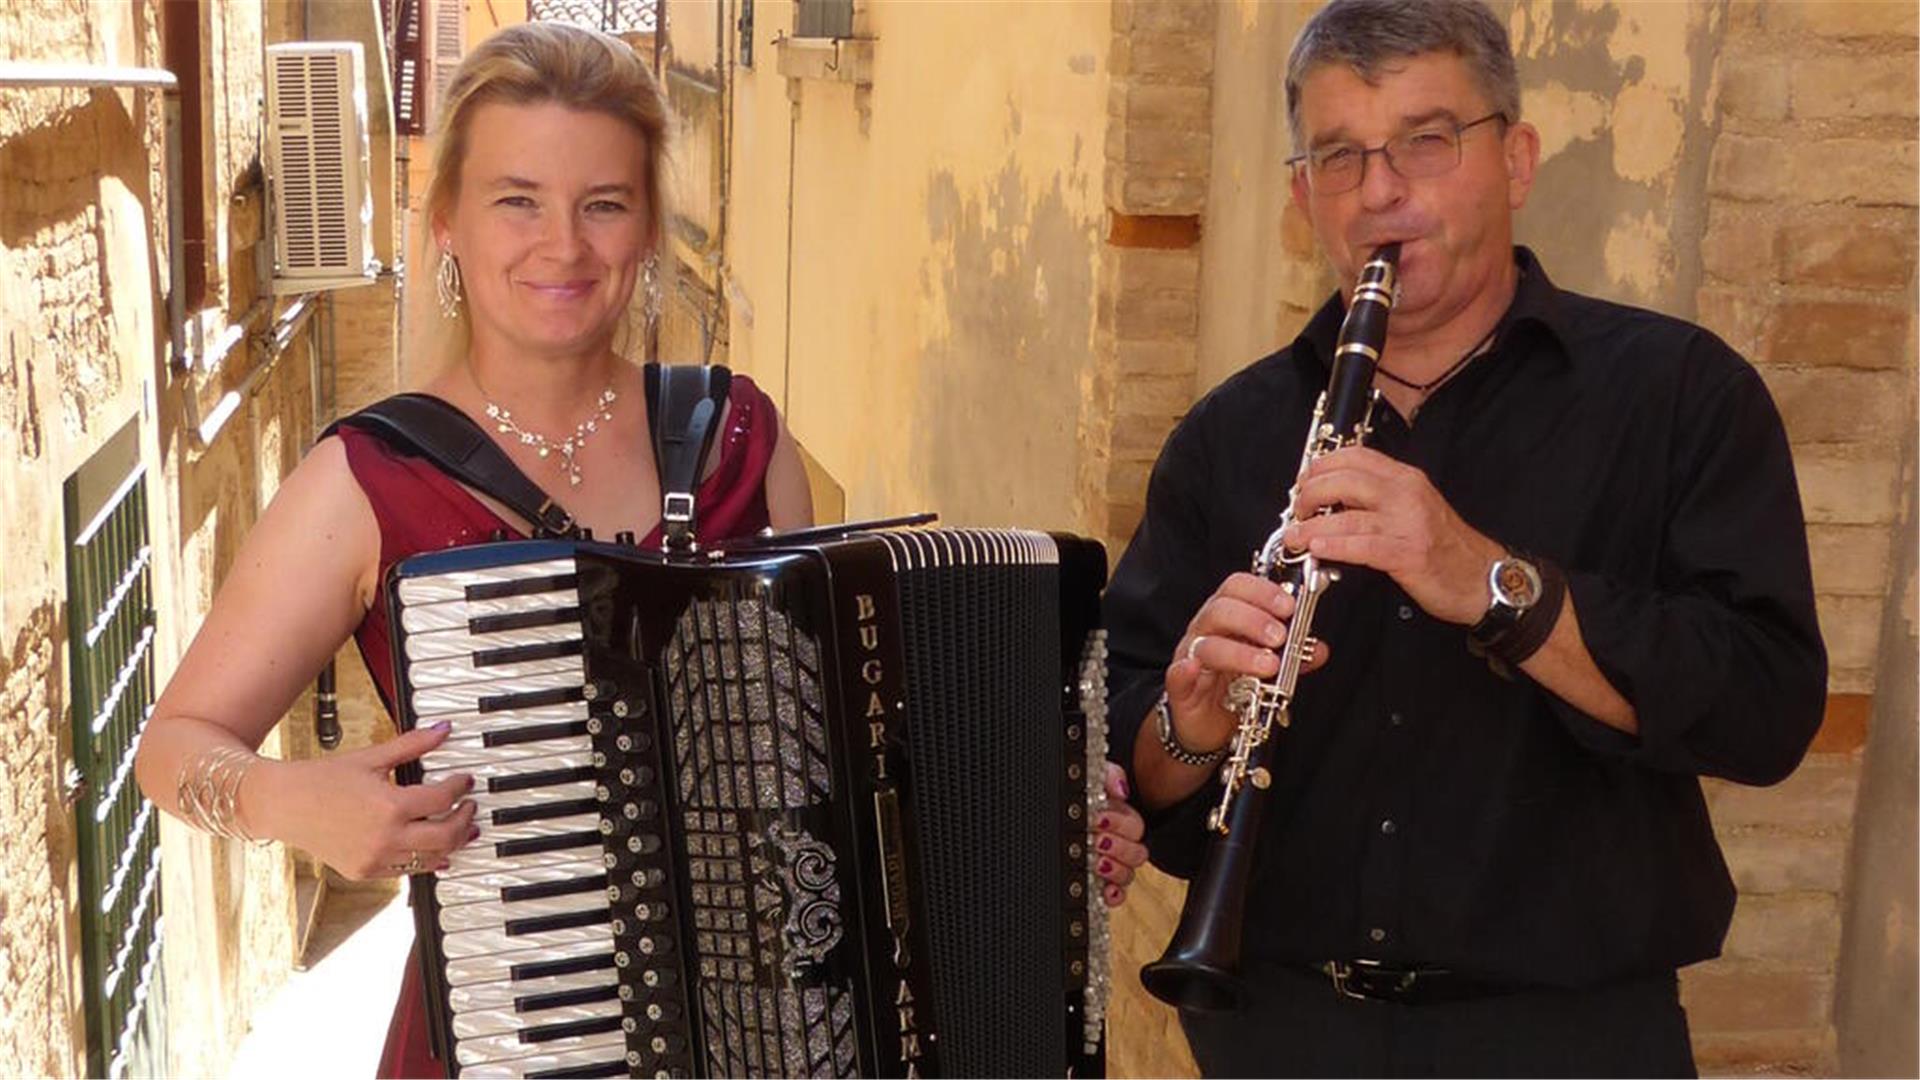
453	670
484	968
506	1021
430	702
500	1048
505	993
435	644
485	888
506	768
596	1054
459	614
452	585
488	942
527	830
495	914
480	858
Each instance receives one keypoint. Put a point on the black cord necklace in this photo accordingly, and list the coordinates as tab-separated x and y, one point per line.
1425	387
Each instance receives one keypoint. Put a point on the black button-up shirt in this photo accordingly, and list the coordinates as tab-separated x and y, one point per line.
1427	810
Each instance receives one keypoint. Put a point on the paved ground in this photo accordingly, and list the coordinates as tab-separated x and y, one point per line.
331	1019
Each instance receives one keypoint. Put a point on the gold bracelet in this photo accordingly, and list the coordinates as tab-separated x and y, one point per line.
208	790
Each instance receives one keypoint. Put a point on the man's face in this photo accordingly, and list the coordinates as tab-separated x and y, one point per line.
1456	228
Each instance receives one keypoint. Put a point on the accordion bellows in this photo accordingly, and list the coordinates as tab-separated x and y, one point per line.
808	811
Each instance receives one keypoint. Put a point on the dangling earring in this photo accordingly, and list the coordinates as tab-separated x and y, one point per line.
446	284
650	289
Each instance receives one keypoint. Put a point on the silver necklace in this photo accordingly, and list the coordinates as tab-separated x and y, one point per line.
567	447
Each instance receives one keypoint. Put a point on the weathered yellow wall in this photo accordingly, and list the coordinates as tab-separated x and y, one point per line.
944	230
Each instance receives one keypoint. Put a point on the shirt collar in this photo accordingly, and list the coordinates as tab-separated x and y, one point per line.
1536	305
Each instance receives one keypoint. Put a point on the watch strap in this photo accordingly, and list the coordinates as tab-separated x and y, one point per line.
1531	630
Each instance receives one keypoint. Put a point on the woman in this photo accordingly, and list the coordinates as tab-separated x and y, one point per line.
544	209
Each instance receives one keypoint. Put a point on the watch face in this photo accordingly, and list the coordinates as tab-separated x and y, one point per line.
1516	583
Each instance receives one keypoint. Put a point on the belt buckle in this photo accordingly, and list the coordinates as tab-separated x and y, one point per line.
1357	981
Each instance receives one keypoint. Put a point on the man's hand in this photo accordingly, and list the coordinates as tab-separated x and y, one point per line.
1235	633
1392	519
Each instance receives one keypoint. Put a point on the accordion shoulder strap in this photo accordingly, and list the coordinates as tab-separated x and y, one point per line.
683	412
431	428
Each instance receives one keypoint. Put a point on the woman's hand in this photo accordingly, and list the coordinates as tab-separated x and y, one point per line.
347	811
1117	832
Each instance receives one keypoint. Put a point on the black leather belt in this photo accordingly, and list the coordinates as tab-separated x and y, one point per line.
1370	980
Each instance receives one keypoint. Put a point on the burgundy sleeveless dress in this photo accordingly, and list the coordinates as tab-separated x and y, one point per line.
419	509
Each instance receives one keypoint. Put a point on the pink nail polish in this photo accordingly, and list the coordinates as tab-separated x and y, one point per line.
1106	865
1126	792
473	833
444	725
1106	843
1100	822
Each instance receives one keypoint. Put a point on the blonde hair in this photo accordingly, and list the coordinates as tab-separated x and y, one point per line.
533	63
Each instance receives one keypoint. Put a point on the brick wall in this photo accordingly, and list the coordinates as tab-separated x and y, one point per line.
1158	150
1808	262
1159	153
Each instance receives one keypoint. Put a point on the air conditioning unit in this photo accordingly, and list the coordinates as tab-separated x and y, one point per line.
318	166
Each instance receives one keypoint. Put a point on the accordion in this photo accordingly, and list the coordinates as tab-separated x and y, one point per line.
802	809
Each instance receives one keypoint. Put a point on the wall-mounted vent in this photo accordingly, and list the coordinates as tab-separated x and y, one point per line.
318	161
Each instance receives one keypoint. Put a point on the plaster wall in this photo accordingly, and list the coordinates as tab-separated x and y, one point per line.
926	325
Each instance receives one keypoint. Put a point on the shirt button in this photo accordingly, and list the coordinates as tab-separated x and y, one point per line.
1376	935
1406	613
1387	827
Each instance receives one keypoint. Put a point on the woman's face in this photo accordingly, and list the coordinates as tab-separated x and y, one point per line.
550	227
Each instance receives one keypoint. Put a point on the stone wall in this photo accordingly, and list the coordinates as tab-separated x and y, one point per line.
83	273
73	182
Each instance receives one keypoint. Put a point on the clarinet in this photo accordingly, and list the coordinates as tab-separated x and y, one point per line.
1201	966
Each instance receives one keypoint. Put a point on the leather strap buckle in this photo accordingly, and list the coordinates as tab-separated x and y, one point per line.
677	507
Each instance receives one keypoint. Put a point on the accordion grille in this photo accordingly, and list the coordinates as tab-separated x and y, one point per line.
987	764
750	755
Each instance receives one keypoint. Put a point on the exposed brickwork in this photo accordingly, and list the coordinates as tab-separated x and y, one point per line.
1159	149
1809	257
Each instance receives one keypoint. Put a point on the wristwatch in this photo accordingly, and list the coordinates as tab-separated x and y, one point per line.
1527	595
1515	584
1163	723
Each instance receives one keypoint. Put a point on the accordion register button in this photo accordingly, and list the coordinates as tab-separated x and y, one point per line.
658	978
660	1011
643	843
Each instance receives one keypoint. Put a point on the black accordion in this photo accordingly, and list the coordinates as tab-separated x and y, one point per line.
804	809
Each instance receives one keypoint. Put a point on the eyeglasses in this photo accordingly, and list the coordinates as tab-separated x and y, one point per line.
1413	155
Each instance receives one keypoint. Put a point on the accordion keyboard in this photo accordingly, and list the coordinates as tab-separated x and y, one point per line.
525	911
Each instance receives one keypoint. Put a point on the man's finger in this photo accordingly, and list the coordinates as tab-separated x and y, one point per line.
1255	590
1236	619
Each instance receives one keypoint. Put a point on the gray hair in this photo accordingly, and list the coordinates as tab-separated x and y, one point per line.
1366	34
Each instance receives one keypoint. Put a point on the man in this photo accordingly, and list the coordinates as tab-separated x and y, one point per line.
1485	850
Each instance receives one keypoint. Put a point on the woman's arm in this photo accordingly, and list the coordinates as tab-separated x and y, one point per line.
789	496
301	583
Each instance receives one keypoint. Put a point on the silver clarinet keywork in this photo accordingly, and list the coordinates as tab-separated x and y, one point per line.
1200	969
